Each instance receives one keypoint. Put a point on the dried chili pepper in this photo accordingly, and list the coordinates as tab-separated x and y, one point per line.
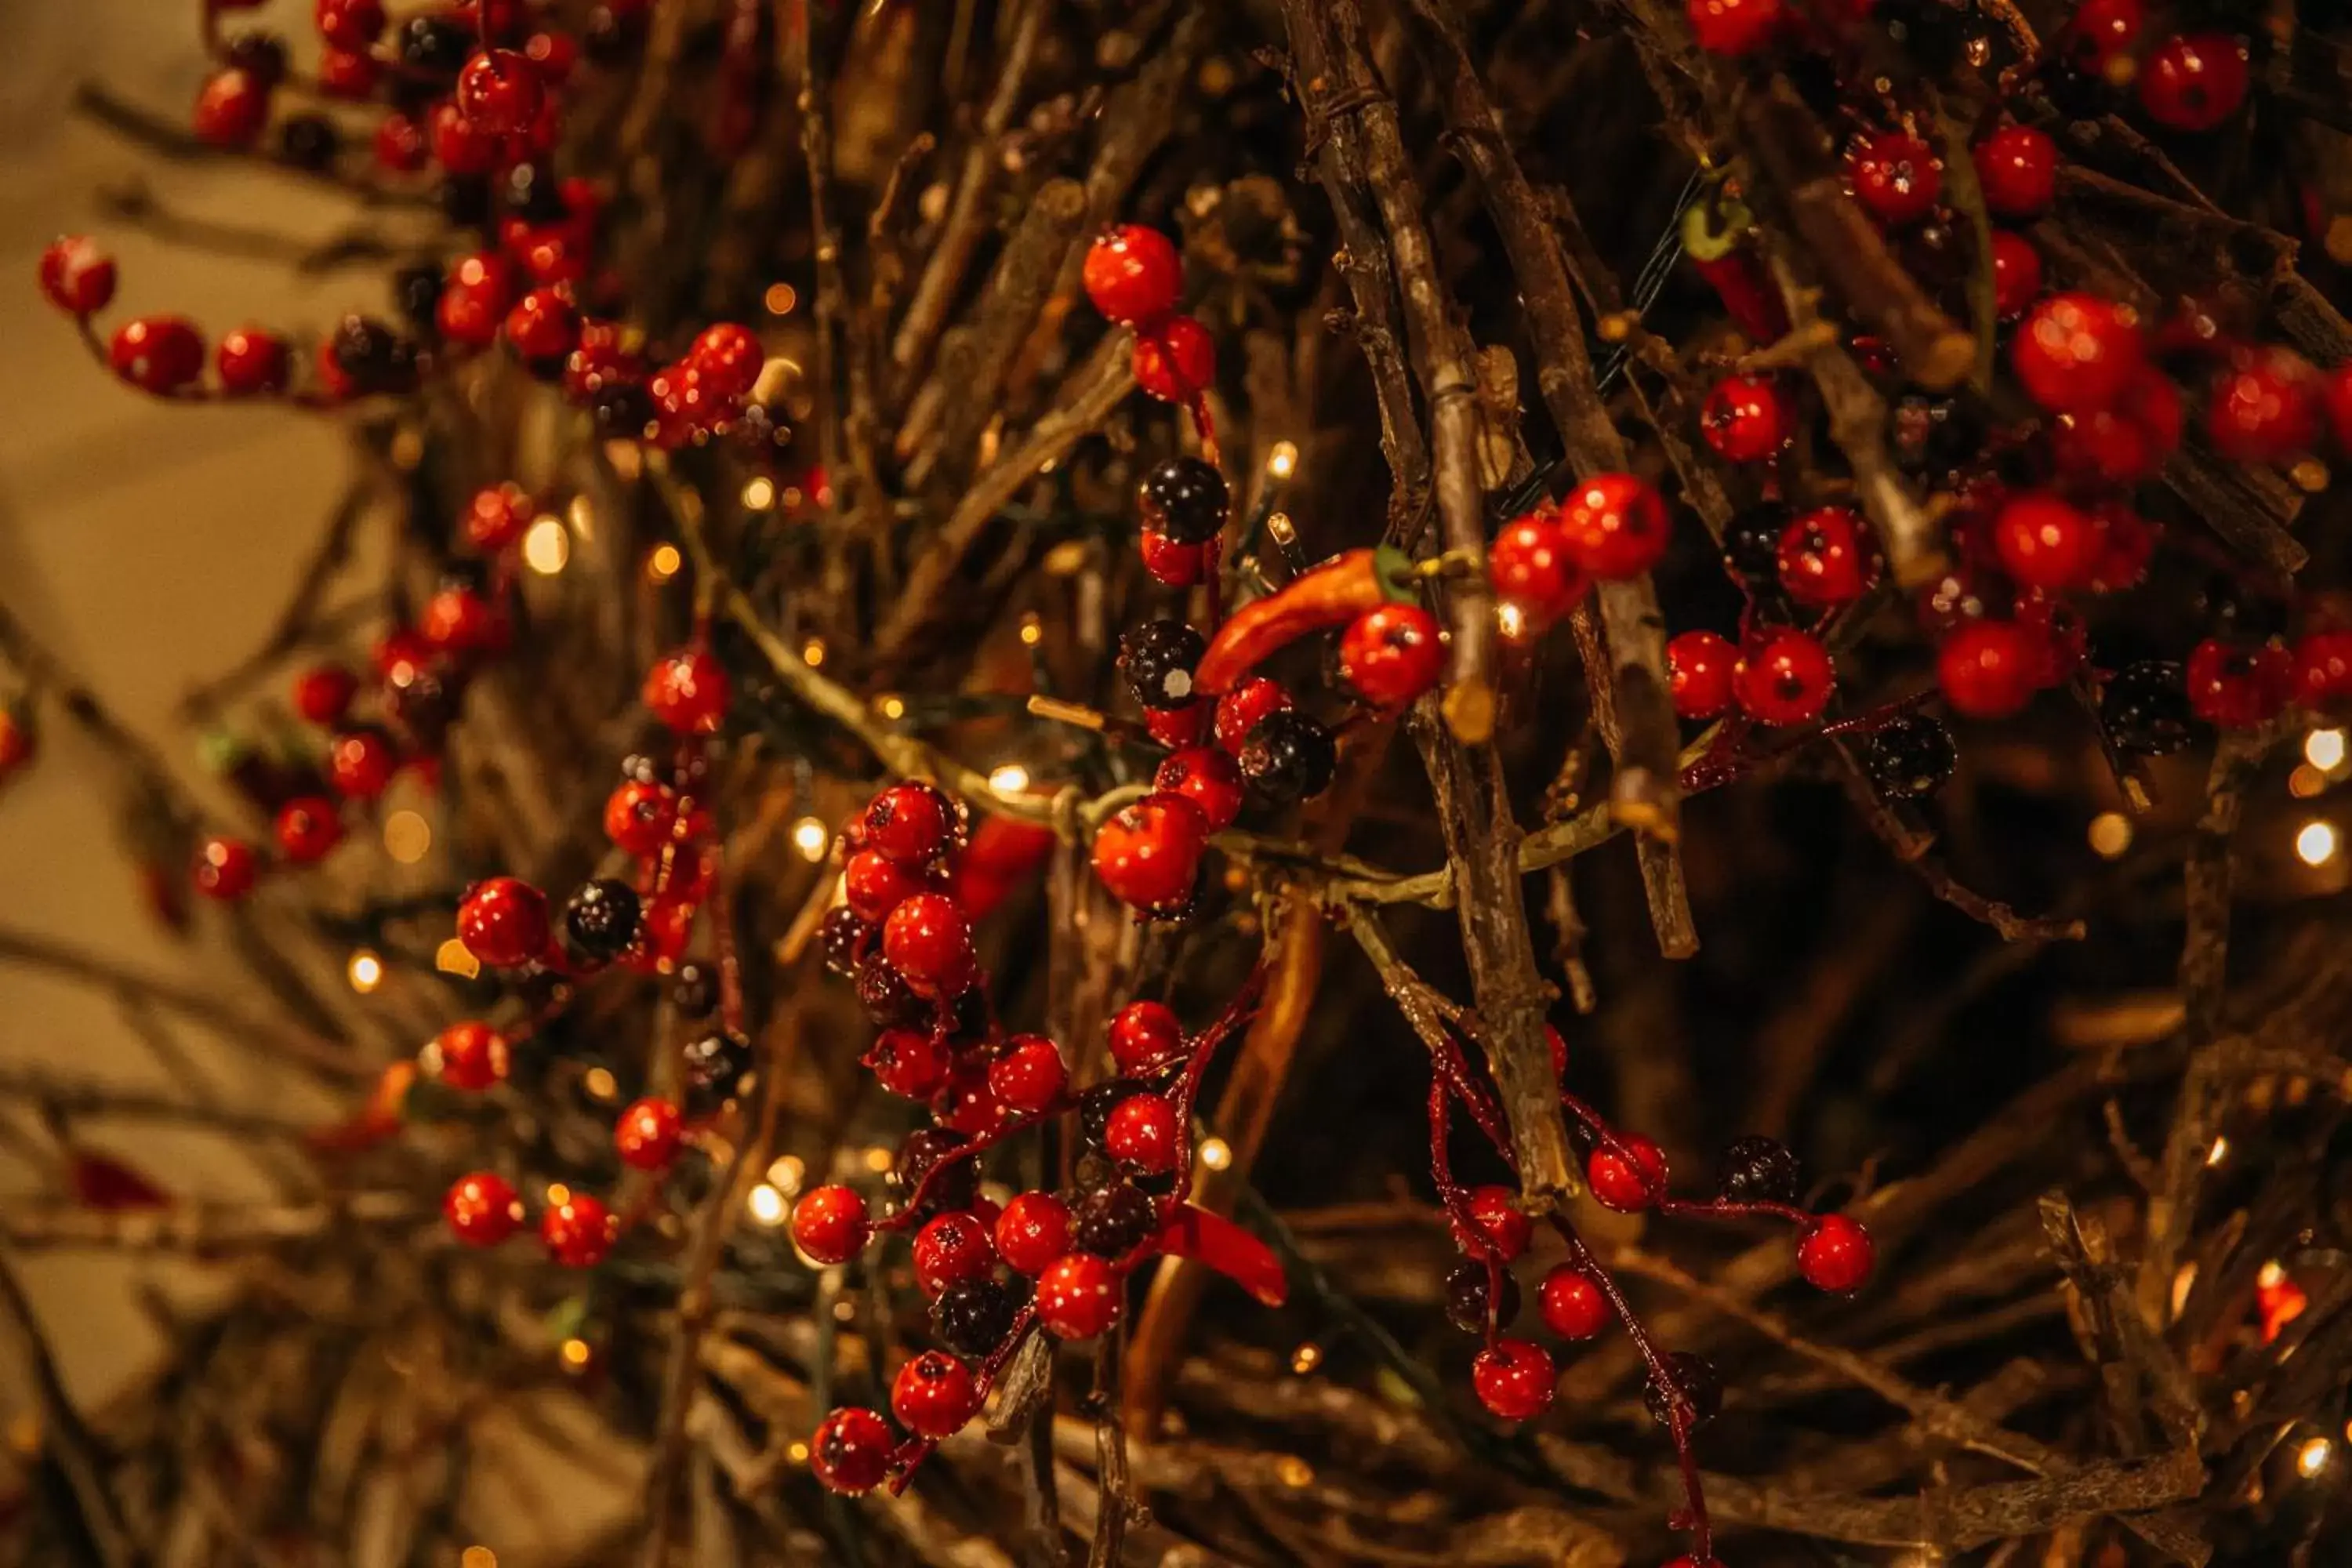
1218	1243
1713	231
1332	596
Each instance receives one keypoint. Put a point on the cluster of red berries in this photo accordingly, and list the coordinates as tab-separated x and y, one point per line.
1134	276
578	1228
1610	527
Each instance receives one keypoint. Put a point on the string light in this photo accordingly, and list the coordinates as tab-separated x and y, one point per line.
1281	530
786	1173
407	836
575	1353
602	1085
2111	834
2306	782
365	970
1282	461
767	1205
546	547
760	495
1008	778
1216	1153
1032	631
2313	1458
583	516
2315	844
1294	1471
813	652
1511	621
892	707
1307	1358
558	1195
2324	749
478	1557
2219	1152
454	957
878	1158
780	298
812	838
663	563
798	1453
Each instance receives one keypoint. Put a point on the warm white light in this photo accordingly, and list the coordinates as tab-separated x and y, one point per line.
760	495
878	1158
892	707
2316	845
407	836
1511	621
2219	1152
663	563
454	957
1032	631
2313	1456
2324	749
813	652
767	1205
1283	460
2111	834
546	547
780	298
366	971
812	838
785	1173
1009	778
1216	1153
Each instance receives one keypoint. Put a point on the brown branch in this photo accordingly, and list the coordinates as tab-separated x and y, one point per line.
1915	849
200	1229
64	1436
975	360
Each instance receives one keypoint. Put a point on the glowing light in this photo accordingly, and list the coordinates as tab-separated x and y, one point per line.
1283	460
2315	844
892	707
844	1311
1307	1358
1216	1153
786	1173
1511	621
780	298
1008	778
2111	834
812	838
558	1195
2324	749
547	547
1281	530
1032	631
767	1205
2306	782
575	1352
602	1085
2182	1280
407	836
2219	1152
760	495
365	970
1295	1471
797	1453
453	957
2313	1458
878	1158
663	563
2272	1273
480	1556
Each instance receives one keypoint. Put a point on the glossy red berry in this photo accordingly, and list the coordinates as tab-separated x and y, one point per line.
1989	670
1150	854
2076	353
1145	1035
2265	408
638	816
1826	557
499	91
497	516
910	1063
349	23
850	1452
482	1208
2125	443
1627	1184
2194	82
952	1248
2101	30
251	363
1745	418
1896	177
224	869
646	1135
1700	667
1391	655
1500	1224
323	693
1079	1295
1734	26
1784	678
687	691
2323	670
471	1055
474	299
1531	566
1240	711
1032	1231
1209	778
503	922
349	74
1615	526
1143	1133
913	824
928	940
232	110
360	762
1133	274
308	828
1835	1253
1573	1307
829	1225
460	146
1175	361
873	885
2016	274
729	355
1028	1075
1172	564
543	326
579	1230
934	1394
2046	543
77	277
2018	167
1514	1378
157	353
2239	685
969	1104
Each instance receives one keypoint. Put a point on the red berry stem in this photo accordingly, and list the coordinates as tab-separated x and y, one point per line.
1466	1228
1204	1047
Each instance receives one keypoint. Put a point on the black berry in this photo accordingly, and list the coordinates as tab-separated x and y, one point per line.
1158	659
2145	709
530	192
694	990
376	358
1751	544
1466	1298
309	141
465	200
887	997
261	56
716	1066
601	919
1758	1169
1111	1222
974	1315
416	294
925	1147
1288	756
843	937
1184	498
1095	1105
1909	757
433	44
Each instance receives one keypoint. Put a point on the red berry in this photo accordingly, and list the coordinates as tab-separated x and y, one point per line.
1391	655
2046	543
1989	669
323	693
2237	685
460	146
2194	82
1133	274
952	1248
2103	29
1531	566
646	1137
1573	1307
873	885
934	1394
2265	408
224	869
2018	167
496	516
829	1224
687	691
2076	353
1206	776
553	55
348	73
1784	678
1028	1075
1734	26
928	940
308	828
77	277
1078	1295
1142	1133
1826	558
2323	670
1175	361
1501	1224
472	1056
1745	418
1700	670
474	299
499	91
1514	1378
913	824
850	1452
232	109
458	621
2127	442
1615	526
1835	1253
1150	854
1172	564
543	325
2016	274
1627	1186
1240	709
157	353
360	762
503	922
638	816
1032	1231
482	1208
1144	1035
970	1105
1898	176
910	1063
2127	541
349	23
2335	398
578	1231
730	356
